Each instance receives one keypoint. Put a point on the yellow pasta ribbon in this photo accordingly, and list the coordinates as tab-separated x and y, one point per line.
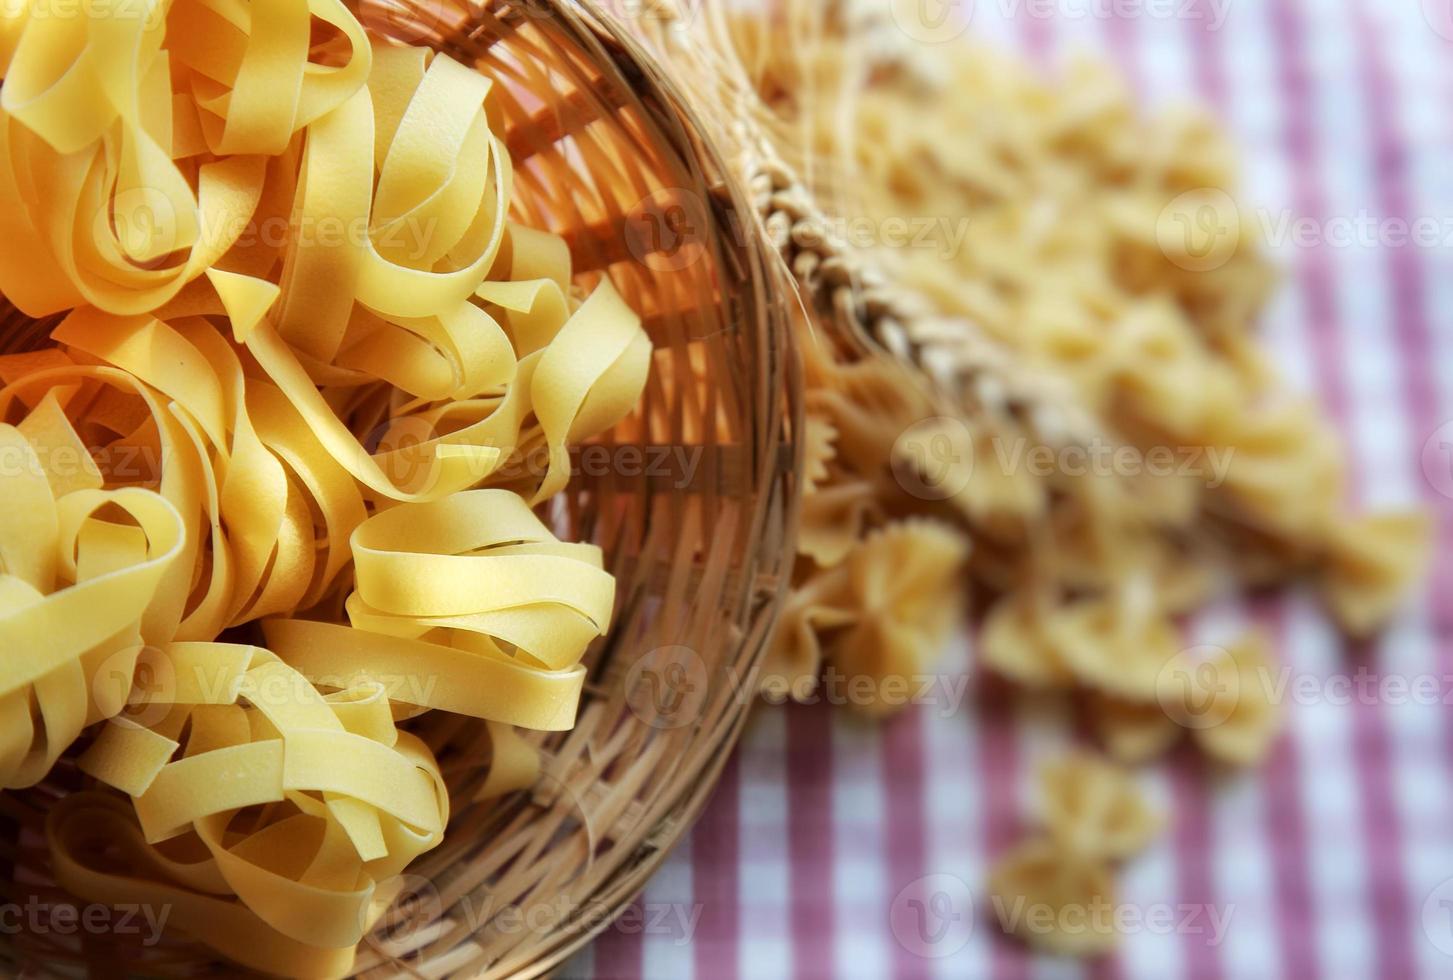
300	340
73	600
304	803
470	599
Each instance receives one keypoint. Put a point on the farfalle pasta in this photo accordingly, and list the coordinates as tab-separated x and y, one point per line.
307	381
1070	236
1061	902
1091	807
1056	889
875	592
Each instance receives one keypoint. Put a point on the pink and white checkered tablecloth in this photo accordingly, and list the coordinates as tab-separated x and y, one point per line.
1336	859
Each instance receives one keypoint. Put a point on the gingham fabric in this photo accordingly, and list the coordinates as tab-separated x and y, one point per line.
834	848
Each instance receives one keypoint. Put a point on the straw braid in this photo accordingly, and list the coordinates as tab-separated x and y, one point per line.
976	374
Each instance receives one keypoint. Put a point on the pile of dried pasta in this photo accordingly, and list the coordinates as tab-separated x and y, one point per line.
1051	200
261	481
1051	218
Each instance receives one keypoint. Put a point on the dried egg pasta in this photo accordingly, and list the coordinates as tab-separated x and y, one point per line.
302	354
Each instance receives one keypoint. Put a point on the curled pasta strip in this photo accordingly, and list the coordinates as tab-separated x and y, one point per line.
238	427
473	594
81	572
586	378
129	170
229	453
302	804
83	827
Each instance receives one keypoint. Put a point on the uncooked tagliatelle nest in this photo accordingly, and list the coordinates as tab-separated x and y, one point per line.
300	356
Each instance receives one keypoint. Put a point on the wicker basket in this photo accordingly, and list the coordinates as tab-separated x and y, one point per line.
609	154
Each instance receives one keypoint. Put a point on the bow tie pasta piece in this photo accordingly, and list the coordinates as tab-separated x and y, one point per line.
834	520
905	581
1132	732
879	615
303	804
1238	727
836	509
1093	809
815	609
1370	564
1056	900
1116	644
870	403
819	437
1015	644
1286	471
